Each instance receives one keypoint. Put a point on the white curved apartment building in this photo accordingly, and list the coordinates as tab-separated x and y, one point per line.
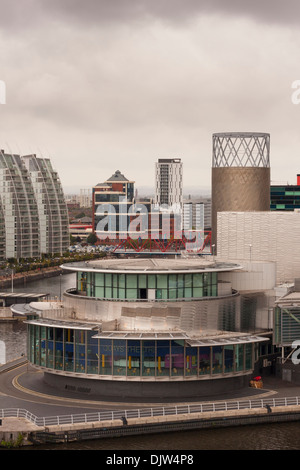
33	215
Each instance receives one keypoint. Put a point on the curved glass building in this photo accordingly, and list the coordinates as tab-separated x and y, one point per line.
156	328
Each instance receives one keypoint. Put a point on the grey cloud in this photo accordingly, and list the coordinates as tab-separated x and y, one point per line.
99	12
32	13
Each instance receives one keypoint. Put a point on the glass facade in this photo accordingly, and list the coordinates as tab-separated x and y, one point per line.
147	286
286	325
285	198
80	351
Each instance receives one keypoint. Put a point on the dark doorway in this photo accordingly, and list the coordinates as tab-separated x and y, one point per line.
143	293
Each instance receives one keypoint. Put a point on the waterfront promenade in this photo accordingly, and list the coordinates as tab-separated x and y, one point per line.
73	415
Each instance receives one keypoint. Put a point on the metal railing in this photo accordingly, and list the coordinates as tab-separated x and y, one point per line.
74	292
176	410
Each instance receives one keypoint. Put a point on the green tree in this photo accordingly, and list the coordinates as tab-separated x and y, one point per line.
92	238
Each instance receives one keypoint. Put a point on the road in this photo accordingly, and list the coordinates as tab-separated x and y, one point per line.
23	387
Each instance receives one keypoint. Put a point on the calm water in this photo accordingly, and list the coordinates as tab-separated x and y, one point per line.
13	334
282	436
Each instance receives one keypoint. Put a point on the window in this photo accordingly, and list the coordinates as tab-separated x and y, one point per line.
133	358
191	361
69	349
163	358
239	354
105	357
177	358
50	347
133	286
204	360
228	358
148	358
248	356
188	284
119	357
92	353
217	359
151	281
131	281
79	351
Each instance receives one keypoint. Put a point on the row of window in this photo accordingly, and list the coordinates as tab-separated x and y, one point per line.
77	351
148	286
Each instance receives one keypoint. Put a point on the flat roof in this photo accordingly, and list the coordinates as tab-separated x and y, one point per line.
21	294
214	340
63	324
292	299
141	335
152	265
226	340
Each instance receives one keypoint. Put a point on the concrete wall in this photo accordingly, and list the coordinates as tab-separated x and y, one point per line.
205	314
154	390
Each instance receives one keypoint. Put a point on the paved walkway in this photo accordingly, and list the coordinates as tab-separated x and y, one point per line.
40	399
18	425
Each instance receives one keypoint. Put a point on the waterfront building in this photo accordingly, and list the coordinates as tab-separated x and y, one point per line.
19	206
153	328
112	201
117	215
33	213
168	182
52	209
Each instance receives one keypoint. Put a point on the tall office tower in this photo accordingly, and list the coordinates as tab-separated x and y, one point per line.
20	209
240	174
52	208
197	213
168	182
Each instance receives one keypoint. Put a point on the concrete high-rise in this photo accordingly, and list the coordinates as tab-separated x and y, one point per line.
33	213
20	209
168	182
52	208
240	174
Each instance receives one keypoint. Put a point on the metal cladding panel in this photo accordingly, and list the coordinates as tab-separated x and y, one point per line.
239	189
273	236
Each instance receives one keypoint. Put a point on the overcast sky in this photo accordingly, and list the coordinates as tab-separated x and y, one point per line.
105	85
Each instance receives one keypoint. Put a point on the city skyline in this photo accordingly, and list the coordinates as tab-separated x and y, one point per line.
131	82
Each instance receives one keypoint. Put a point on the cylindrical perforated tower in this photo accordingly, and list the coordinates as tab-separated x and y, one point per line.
240	174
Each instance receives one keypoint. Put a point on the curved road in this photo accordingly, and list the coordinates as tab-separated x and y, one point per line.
23	387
